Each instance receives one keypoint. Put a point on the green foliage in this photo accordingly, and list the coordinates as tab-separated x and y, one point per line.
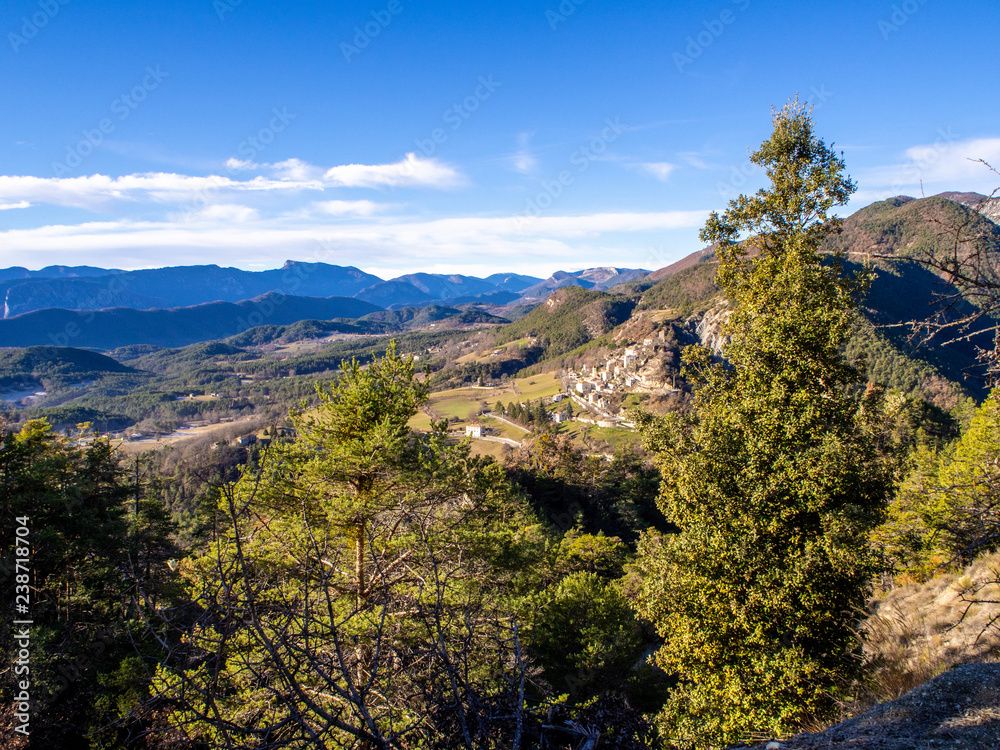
947	511
356	591
690	290
583	630
776	478
302	330
515	359
96	560
569	489
54	364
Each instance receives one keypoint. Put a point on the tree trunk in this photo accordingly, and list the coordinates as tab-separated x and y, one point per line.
359	562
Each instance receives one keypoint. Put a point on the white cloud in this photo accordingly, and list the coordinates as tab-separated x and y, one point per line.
340	208
232	235
239	165
947	164
412	171
226	212
295	169
19	204
661	170
97	191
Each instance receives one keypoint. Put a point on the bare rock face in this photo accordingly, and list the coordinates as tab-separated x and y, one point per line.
709	328
990	209
987	206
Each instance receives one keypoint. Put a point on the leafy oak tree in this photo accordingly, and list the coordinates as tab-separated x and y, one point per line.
777	476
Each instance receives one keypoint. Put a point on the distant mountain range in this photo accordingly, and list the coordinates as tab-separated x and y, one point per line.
99	308
89	288
600	279
179	286
122	326
173	306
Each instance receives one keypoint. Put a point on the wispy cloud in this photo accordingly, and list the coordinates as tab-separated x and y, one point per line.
239	165
342	208
97	192
295	170
661	170
695	160
234	234
946	164
412	171
524	161
19	204
224	212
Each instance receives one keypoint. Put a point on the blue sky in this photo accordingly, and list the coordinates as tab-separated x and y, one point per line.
399	136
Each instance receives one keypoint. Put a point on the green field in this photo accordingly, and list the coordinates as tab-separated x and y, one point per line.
538	386
465	403
502	429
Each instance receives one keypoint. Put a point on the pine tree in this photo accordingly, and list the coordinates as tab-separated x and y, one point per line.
776	478
351	598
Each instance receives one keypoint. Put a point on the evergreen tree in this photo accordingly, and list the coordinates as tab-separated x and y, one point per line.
87	572
776	478
567	410
948	510
355	596
541	415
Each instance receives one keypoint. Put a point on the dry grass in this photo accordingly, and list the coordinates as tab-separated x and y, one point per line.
930	649
921	630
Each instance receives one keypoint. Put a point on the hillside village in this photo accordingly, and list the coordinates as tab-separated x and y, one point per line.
600	388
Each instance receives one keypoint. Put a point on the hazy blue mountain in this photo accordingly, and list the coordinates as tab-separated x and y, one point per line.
513	282
54	272
75	294
442	286
395	293
120	326
89	288
181	286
